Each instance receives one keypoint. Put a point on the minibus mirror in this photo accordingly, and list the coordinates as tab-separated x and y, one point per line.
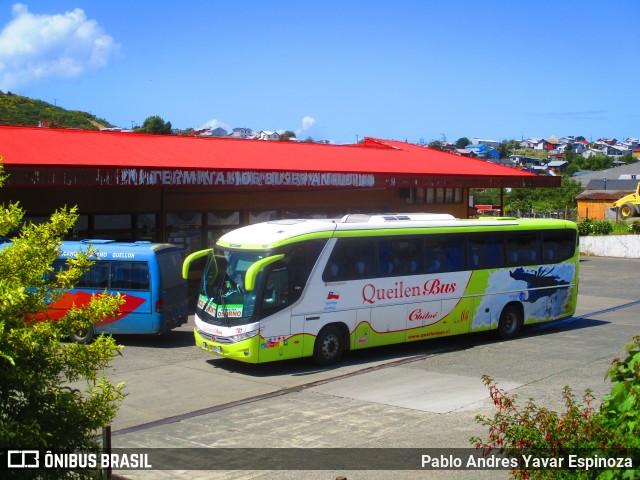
255	268
190	258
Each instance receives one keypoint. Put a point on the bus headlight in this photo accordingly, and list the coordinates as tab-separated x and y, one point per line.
244	336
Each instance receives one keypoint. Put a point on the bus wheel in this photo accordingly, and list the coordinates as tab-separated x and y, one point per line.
83	336
329	346
510	322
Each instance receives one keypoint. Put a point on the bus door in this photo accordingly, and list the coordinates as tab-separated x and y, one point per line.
482	305
363	334
172	302
278	293
389	324
284	284
423	318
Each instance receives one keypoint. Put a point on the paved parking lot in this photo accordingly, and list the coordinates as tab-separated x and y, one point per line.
422	395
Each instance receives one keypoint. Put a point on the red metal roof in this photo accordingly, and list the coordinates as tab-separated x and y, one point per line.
392	163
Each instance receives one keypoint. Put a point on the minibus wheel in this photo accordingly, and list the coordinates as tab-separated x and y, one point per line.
329	346
83	336
510	321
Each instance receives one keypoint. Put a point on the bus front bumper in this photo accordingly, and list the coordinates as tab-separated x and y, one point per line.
244	351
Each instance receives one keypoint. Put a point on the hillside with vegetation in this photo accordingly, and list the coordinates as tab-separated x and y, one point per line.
25	111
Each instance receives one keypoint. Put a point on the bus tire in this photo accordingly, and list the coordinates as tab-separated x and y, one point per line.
84	336
329	346
627	210
510	321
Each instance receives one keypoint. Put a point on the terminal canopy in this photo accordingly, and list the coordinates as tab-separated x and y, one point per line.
65	157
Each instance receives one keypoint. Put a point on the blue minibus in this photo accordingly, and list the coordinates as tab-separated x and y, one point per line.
148	276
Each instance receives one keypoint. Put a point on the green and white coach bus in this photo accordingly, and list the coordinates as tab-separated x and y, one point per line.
315	288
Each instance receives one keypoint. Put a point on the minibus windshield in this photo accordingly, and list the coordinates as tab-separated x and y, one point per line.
223	298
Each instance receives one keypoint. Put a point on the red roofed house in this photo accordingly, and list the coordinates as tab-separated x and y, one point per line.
189	190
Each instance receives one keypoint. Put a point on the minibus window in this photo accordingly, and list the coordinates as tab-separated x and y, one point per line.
129	276
96	277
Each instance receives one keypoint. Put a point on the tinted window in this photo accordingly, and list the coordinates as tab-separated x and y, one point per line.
558	245
400	256
287	278
97	277
486	251
444	253
170	263
523	249
351	259
129	276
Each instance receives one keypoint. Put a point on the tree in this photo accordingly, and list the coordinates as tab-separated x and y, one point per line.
544	199
538	199
287	136
154	125
508	148
40	406
437	145
462	142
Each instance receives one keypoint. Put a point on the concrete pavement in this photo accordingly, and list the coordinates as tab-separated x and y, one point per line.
422	395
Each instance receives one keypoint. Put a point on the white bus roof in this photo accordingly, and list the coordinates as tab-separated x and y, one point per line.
269	234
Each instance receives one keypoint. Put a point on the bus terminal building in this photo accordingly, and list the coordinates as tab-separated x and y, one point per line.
190	190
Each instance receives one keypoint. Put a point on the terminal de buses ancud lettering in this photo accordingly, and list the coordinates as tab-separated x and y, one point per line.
315	288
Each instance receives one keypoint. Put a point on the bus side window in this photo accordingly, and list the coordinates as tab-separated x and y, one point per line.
486	251
558	245
444	253
351	259
286	279
276	290
400	256
434	260
301	260
97	277
523	249
129	276
454	257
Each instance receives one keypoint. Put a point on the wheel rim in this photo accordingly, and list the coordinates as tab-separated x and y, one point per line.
625	212
82	336
510	322
330	346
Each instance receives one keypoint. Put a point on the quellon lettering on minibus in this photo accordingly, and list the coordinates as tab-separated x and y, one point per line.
372	293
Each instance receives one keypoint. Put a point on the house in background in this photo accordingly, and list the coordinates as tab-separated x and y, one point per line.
242	133
484	141
596	200
218	132
482	150
537	144
558	166
267	135
465	152
527	163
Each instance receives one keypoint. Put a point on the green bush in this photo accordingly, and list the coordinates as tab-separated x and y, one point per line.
601	227
584	227
611	431
633	227
595	227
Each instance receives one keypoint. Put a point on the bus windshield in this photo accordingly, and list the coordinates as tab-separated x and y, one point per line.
223	299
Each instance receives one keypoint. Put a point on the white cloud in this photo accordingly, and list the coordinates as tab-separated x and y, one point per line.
307	124
37	47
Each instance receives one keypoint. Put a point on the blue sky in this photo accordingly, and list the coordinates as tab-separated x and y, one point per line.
336	70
